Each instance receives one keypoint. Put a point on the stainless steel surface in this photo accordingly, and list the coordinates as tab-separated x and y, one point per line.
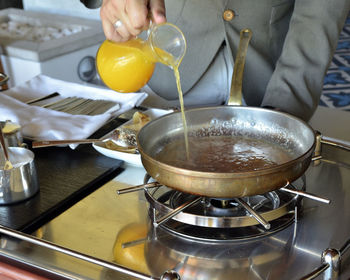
101	223
330	268
49	245
20	182
316	273
290	134
331	257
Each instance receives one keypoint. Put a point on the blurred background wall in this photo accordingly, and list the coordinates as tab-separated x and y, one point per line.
63	7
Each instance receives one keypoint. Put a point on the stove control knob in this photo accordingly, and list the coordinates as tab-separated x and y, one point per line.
170	275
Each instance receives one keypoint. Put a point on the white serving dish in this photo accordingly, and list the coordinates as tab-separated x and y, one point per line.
133	159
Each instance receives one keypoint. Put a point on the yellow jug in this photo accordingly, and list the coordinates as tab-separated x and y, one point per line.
128	66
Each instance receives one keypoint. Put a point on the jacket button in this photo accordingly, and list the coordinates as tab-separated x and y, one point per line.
228	15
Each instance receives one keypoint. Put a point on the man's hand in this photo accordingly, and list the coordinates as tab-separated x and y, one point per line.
134	17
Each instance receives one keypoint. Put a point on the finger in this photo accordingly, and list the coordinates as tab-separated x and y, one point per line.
137	12
111	10
109	13
123	32
109	31
157	8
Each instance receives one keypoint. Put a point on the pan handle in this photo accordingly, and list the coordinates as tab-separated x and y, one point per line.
237	76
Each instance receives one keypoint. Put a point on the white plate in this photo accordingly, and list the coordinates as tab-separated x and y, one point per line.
134	159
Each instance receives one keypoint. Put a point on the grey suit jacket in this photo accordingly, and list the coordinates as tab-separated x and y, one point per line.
292	45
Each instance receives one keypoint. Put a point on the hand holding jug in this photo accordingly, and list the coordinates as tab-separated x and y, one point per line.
128	66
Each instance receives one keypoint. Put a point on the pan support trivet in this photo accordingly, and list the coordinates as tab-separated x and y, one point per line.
239	217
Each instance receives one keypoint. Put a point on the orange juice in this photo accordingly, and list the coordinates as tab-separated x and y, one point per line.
126	66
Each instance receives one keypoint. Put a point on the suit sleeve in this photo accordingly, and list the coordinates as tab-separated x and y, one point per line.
297	81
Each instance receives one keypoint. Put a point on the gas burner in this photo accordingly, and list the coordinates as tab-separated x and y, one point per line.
216	220
211	219
227	207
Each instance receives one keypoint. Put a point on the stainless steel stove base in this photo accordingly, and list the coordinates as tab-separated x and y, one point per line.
95	226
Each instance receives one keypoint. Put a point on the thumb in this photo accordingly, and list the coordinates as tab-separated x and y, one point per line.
157	8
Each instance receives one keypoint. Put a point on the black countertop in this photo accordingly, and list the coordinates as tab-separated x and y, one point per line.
65	176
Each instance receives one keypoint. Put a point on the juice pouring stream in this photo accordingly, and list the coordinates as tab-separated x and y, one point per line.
170	45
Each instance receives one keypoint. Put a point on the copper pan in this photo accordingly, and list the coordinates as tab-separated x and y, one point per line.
293	135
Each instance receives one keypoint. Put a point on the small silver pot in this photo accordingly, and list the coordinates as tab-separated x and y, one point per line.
20	182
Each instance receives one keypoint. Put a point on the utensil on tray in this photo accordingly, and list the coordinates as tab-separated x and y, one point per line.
35	100
117	145
8	165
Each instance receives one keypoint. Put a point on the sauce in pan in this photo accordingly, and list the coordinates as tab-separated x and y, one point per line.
223	154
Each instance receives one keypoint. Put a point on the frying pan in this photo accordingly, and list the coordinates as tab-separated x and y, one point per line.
292	136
